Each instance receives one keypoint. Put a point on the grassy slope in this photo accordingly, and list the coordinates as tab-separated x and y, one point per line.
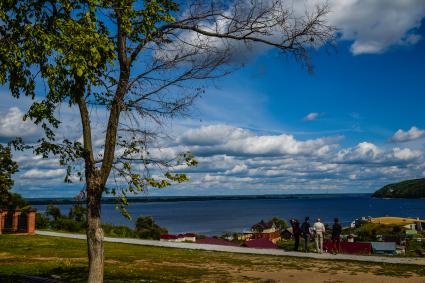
46	256
395	220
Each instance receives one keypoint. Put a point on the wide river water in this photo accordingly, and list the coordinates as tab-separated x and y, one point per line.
215	217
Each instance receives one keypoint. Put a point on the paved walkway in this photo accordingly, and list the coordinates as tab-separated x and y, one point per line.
242	250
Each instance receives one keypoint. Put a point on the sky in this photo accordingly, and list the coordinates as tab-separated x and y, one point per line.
352	126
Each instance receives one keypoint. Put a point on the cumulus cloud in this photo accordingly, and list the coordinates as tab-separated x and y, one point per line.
410	135
374	26
245	160
12	125
366	152
44	174
223	139
312	116
213	135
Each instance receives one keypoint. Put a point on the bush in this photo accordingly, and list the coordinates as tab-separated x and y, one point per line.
78	213
11	201
54	212
119	231
41	221
146	228
66	224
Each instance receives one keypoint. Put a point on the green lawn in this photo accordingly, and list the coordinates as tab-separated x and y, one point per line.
47	256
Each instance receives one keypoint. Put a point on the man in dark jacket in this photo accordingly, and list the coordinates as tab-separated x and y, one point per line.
336	236
296	232
305	230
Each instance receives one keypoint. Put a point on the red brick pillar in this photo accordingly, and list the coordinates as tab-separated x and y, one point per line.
2	220
31	221
15	220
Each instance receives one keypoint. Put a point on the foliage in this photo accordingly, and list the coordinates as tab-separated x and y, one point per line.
67	224
280	223
8	167
78	213
369	231
12	201
41	221
415	248
148	229
119	231
406	189
53	212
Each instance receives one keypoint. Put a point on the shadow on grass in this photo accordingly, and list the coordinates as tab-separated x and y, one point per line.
117	274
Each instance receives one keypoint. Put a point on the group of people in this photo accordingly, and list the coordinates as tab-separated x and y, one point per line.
316	231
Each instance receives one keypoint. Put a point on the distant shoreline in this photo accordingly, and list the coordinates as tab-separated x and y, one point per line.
111	200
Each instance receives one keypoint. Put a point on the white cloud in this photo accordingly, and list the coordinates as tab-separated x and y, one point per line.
12	125
366	152
213	135
223	139
41	174
404	153
412	134
372	25
312	116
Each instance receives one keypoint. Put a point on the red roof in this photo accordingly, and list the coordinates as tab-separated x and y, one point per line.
350	248
168	237
215	241
260	244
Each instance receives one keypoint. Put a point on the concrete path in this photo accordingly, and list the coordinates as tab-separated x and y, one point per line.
243	250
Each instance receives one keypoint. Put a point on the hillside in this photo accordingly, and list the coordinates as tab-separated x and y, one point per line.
406	189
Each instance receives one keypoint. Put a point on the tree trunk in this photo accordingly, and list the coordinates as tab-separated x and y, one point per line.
94	235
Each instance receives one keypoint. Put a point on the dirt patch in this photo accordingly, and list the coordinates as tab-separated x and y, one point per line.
52	258
295	276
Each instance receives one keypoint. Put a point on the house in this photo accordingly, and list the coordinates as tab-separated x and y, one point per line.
188	237
265	230
215	241
388	248
411	233
260	244
410	226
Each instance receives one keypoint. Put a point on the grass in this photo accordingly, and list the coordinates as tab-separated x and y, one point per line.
67	258
394	220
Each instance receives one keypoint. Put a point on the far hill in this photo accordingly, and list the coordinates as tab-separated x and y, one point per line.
406	189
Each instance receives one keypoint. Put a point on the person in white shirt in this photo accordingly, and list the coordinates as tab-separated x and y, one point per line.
319	230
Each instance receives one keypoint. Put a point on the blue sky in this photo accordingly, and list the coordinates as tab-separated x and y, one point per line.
353	125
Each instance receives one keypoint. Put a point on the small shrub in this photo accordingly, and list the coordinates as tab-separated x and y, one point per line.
41	221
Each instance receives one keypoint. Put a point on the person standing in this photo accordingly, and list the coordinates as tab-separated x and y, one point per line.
319	230
305	230
296	232
336	236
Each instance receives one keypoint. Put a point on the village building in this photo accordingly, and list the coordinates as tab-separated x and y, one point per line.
384	248
265	230
17	221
